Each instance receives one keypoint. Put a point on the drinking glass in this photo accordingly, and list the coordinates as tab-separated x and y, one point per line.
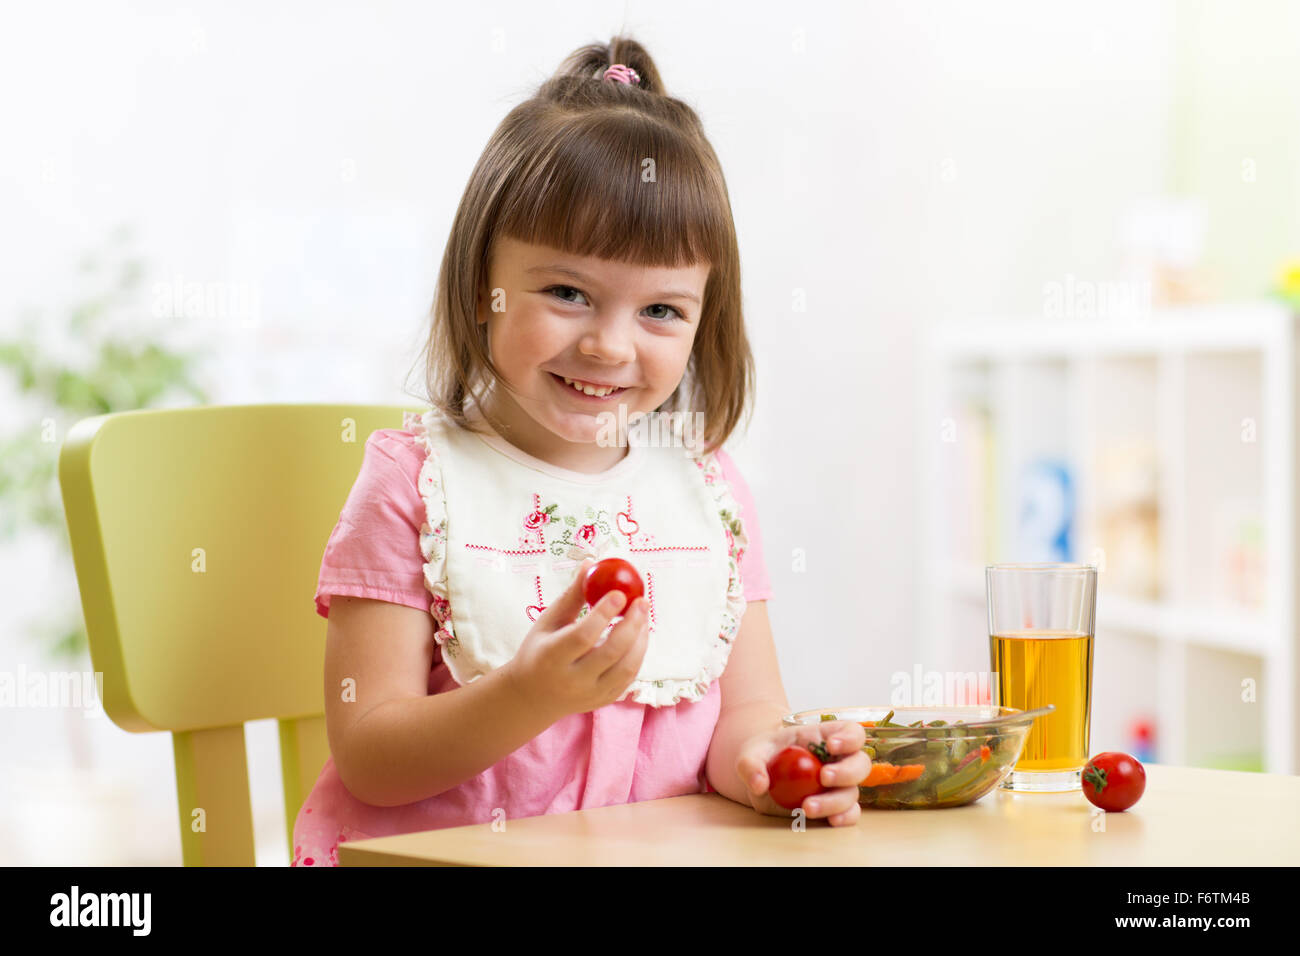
1041	631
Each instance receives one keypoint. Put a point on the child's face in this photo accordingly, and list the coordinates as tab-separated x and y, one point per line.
603	322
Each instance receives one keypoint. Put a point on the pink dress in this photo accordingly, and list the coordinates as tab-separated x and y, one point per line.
625	752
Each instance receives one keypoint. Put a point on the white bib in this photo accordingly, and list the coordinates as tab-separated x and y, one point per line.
505	532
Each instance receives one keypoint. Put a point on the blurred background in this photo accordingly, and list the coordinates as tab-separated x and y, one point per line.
1020	281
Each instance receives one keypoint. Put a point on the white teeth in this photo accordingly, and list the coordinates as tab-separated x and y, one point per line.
589	389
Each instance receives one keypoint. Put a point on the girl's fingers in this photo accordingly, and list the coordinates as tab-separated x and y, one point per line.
853	769
847	818
564	609
601	614
831	802
840	736
843	736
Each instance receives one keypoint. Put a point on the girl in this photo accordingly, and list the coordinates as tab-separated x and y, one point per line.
591	282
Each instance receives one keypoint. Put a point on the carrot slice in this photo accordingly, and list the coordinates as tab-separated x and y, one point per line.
984	752
909	772
886	773
880	773
868	723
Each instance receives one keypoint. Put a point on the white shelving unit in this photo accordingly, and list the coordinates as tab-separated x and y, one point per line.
1209	393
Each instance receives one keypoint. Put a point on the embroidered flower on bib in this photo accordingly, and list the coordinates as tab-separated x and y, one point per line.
578	539
538	518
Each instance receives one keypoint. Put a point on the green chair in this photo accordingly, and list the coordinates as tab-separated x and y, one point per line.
197	536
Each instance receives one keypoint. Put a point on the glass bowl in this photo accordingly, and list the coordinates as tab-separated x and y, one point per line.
948	763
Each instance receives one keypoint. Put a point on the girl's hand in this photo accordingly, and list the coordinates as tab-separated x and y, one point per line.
839	802
559	670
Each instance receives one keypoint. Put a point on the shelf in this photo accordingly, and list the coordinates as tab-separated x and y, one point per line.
1242	630
1255	325
1174	432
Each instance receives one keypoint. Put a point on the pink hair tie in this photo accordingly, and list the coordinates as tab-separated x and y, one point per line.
622	74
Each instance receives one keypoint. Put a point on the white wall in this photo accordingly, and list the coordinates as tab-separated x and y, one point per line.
895	161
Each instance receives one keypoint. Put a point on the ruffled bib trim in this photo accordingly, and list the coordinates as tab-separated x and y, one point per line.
719	650
658	693
433	533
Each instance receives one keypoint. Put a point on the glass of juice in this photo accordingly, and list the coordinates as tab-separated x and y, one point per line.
1040	647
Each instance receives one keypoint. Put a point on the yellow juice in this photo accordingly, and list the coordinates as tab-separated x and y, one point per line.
1036	668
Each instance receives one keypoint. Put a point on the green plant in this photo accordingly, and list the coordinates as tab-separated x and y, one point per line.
121	375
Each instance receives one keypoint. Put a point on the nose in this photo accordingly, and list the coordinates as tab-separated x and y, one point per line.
610	340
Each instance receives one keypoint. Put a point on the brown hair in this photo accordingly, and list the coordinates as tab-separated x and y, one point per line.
565	169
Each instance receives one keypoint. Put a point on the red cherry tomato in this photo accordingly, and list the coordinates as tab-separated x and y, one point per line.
793	775
612	574
1113	781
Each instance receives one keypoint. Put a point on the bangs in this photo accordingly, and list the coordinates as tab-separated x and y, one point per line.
618	185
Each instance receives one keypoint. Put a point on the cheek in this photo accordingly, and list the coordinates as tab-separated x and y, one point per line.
668	358
523	339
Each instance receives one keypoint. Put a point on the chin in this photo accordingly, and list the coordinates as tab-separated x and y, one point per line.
587	427
570	426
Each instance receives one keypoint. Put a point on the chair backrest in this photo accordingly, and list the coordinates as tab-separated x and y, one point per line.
197	536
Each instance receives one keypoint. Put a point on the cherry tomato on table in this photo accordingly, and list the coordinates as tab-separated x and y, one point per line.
612	574
1113	781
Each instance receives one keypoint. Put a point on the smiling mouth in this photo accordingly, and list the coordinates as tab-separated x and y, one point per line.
588	391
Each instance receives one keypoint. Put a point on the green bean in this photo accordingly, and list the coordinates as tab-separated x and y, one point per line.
905	753
889	745
951	786
935	770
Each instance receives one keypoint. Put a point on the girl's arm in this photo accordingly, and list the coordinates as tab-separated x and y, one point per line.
392	741
753	700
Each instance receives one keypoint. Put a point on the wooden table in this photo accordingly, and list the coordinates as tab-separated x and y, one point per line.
1188	816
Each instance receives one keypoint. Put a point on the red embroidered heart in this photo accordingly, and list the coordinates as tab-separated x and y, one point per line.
531	609
626	525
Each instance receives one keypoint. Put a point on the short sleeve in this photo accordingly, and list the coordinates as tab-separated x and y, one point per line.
374	549
753	570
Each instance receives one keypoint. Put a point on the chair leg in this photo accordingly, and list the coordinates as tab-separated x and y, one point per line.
304	748
216	809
